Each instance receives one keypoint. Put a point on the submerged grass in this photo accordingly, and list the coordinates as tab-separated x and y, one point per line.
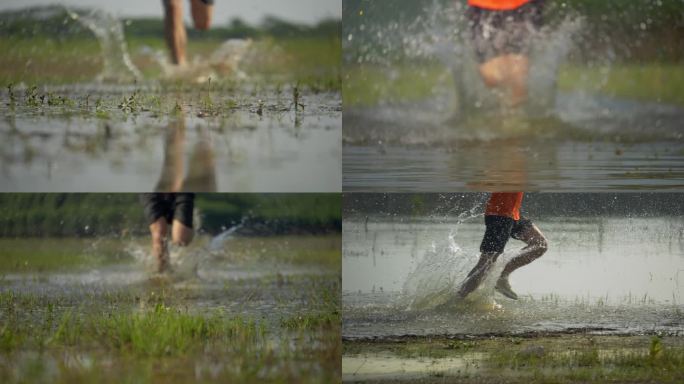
316	321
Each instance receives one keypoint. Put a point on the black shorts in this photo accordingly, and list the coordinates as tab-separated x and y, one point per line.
171	206
207	2
496	33
499	230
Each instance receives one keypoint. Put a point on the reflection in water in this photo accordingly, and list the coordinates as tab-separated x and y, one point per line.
508	167
549	166
201	175
57	148
595	143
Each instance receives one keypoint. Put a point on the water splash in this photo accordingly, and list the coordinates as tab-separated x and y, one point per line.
185	261
443	35
226	62
108	29
437	276
217	243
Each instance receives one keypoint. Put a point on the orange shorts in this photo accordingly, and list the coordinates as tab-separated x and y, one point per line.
505	204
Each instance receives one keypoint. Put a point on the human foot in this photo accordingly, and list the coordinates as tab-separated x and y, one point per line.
504	288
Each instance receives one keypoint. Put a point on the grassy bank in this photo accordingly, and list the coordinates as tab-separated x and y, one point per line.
20	255
656	82
115	214
52	254
309	61
541	359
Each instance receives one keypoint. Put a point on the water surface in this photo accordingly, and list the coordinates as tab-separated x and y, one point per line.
218	141
609	275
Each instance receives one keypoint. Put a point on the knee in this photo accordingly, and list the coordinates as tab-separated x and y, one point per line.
543	245
158	235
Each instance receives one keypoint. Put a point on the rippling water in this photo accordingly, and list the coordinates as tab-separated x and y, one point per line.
589	144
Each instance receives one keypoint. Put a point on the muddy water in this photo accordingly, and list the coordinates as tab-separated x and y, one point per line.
587	143
250	145
613	275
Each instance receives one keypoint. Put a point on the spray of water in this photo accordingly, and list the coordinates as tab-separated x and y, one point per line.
108	29
443	35
226	62
437	276
185	261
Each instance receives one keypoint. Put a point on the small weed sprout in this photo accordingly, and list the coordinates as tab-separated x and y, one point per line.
295	98
656	350
32	96
10	92
130	104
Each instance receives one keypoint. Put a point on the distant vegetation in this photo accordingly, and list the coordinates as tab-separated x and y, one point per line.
55	22
61	214
45	45
534	204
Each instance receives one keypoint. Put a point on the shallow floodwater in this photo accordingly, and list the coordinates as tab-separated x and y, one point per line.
251	278
606	275
218	141
239	275
587	143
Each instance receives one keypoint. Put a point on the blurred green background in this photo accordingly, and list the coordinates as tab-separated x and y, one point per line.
77	214
44	45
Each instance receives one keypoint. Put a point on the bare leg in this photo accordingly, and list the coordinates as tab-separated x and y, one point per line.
175	30
159	230
201	14
181	234
536	247
477	274
510	73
